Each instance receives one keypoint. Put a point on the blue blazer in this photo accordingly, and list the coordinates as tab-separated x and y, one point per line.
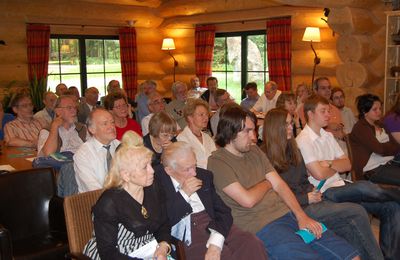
178	208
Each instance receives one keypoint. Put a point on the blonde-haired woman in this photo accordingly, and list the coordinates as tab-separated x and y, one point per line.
130	215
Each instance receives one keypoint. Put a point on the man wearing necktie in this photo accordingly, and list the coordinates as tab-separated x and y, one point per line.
197	214
93	159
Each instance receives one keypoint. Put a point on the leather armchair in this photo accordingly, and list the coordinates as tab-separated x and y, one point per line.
32	224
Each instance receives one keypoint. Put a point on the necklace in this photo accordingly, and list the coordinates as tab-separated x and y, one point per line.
144	212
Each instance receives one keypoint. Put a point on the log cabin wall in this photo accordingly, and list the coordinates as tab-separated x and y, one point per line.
177	19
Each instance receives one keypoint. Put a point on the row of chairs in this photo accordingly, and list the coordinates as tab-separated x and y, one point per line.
37	224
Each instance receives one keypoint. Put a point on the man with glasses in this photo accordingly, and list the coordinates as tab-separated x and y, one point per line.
349	120
175	107
24	130
268	100
155	103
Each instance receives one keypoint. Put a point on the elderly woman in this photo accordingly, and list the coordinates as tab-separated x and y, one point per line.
196	113
117	104
162	131
130	215
24	130
372	147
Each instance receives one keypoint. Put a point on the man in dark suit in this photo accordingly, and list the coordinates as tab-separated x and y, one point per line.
197	214
208	95
90	102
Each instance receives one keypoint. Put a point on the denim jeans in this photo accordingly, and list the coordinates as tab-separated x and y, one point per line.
382	203
350	221
388	173
281	242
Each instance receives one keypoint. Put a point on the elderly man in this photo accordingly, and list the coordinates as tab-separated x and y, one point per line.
91	97
251	95
222	97
92	161
195	90
60	89
63	135
208	95
268	100
145	89
47	113
197	214
337	99
155	104
175	107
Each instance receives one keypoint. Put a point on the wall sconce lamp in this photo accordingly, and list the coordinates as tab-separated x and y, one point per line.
168	45
312	34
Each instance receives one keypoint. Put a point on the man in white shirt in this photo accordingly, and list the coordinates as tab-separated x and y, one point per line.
90	102
195	90
155	103
92	161
47	113
221	97
338	99
197	214
267	101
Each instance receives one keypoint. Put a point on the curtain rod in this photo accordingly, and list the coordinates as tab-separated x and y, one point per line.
87	25
244	21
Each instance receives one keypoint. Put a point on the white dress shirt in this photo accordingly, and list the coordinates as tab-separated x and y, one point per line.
44	116
145	124
90	164
315	148
184	226
264	105
201	150
349	120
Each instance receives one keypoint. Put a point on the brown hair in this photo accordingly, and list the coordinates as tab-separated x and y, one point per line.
110	99
336	89
285	96
281	152
312	102
162	122
191	105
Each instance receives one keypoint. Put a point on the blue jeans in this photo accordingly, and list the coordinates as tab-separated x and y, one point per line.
281	242
349	221
380	202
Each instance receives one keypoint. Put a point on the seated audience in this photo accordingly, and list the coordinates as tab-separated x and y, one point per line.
251	95
4	119
93	158
89	103
195	90
47	113
324	159
208	95
130	215
75	92
112	87
145	89
175	107
347	220
116	103
267	101
373	149
24	129
221	97
64	133
392	120
260	200
156	104
60	89
197	114
162	132
337	99
287	101
302	93
197	214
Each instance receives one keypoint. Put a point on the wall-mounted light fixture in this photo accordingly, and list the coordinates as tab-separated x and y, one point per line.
312	34
168	45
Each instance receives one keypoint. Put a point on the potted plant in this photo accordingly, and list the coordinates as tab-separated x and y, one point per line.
37	88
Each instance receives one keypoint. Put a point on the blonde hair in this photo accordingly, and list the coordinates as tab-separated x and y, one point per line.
191	105
130	154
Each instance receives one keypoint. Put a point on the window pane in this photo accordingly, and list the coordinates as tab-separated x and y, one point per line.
112	59
219	54
97	80
221	76
255	52
54	62
94	55
72	80
234	61
53	81
234	85
69	50
116	76
257	77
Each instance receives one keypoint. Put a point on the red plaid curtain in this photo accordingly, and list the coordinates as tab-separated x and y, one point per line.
38	41
279	42
127	45
204	51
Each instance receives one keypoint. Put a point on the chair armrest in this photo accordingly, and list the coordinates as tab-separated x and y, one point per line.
179	249
57	218
78	256
5	244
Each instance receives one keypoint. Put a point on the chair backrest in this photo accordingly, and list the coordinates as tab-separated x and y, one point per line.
351	158
78	218
24	201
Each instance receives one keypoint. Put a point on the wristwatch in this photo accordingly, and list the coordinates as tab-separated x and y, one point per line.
330	164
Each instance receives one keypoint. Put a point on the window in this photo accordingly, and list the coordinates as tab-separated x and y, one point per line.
240	58
84	62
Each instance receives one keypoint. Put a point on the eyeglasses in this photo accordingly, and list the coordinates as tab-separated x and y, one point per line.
69	108
121	106
165	136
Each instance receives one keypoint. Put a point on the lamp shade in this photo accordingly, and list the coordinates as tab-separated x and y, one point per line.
312	34
168	44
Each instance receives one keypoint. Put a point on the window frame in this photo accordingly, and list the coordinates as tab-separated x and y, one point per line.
82	56
244	48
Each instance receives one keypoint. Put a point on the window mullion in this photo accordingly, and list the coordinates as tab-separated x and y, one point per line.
83	70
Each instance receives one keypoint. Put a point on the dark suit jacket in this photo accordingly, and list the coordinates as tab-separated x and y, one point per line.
206	95
178	208
83	112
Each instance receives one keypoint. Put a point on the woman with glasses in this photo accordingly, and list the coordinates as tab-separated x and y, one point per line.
162	131
117	104
23	130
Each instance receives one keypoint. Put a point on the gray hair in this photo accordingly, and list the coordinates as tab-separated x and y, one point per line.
175	86
175	151
61	98
273	84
